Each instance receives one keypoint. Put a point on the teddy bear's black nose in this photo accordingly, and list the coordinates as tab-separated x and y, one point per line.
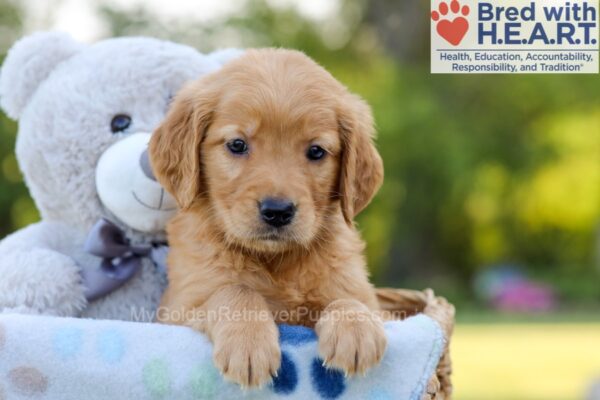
145	165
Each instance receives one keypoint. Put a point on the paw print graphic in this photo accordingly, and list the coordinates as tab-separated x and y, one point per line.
452	30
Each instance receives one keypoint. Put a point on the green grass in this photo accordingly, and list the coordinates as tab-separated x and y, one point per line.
525	361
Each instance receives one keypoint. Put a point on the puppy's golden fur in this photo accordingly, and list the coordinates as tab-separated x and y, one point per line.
224	259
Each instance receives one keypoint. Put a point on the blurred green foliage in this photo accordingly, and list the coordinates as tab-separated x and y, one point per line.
16	207
480	169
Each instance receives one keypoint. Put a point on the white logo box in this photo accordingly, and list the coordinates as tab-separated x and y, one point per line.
514	36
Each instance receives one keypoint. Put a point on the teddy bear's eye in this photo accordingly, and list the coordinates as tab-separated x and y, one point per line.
120	122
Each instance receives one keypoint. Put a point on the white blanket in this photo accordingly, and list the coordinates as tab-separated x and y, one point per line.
81	359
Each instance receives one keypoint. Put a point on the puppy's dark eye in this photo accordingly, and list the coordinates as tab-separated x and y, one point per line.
120	122
237	146
315	153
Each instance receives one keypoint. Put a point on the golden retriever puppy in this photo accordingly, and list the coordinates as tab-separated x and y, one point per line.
270	158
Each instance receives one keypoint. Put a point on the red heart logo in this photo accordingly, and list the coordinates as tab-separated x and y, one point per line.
453	31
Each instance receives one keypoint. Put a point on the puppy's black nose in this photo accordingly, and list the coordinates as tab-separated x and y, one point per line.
277	212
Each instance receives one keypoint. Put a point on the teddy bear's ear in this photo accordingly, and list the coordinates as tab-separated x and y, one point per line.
28	64
223	56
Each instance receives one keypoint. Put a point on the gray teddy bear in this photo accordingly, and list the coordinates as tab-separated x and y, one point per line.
85	116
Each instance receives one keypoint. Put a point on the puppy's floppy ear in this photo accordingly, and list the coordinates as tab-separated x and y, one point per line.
361	172
175	145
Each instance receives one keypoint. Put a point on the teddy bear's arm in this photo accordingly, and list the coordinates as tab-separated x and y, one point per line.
35	276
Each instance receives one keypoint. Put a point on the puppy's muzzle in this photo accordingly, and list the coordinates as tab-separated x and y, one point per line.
277	212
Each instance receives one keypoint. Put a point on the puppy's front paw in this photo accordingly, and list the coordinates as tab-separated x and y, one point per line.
351	338
248	353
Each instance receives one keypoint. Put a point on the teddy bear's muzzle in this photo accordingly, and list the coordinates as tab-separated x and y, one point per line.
128	188
145	165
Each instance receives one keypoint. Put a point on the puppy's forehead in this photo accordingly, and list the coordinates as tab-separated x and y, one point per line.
278	108
275	79
301	122
280	93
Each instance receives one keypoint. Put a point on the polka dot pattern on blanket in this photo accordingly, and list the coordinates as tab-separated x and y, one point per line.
203	381
156	377
296	335
287	376
329	383
28	380
189	372
67	342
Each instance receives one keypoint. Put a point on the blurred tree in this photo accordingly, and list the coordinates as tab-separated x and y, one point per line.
16	207
401	28
10	23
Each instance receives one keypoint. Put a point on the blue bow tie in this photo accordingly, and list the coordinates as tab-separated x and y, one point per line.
120	259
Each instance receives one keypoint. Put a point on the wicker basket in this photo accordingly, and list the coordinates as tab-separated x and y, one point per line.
405	303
